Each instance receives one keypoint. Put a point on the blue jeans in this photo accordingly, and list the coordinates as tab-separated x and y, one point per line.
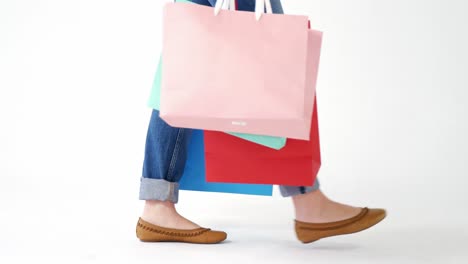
166	147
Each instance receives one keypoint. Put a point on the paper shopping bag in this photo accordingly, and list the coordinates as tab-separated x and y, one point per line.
268	141
232	160
239	75
193	178
154	102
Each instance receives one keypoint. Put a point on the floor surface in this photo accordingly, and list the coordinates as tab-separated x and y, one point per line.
81	231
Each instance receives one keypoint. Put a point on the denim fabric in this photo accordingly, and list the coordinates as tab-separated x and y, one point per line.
166	147
164	162
244	5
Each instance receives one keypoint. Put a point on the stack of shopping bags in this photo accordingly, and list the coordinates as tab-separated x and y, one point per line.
246	83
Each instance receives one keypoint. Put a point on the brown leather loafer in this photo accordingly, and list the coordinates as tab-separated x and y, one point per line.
309	232
148	232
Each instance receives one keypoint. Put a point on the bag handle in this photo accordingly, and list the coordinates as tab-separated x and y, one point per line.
224	4
260	6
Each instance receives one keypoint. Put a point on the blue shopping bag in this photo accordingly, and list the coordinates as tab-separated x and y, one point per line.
194	174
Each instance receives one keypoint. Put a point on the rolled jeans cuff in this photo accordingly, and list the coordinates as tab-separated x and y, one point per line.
158	189
287	191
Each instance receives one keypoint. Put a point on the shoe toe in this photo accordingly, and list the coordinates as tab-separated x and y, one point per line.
216	236
377	214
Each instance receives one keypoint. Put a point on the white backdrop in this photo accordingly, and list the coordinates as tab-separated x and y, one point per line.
74	80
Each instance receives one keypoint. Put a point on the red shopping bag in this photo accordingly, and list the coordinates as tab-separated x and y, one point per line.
233	160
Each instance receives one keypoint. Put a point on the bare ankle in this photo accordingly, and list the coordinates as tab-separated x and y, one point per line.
311	206
316	207
153	204
155	207
306	200
164	213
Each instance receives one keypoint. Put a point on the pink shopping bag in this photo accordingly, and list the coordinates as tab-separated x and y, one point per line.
231	72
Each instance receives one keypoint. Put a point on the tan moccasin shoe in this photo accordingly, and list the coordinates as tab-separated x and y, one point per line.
309	232
148	232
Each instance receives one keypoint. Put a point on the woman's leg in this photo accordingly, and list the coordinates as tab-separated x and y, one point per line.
163	166
164	162
310	204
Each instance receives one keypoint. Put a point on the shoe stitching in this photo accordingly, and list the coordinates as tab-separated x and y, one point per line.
357	218
364	211
173	233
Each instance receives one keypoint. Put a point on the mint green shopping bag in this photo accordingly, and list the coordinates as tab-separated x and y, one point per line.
268	141
153	101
